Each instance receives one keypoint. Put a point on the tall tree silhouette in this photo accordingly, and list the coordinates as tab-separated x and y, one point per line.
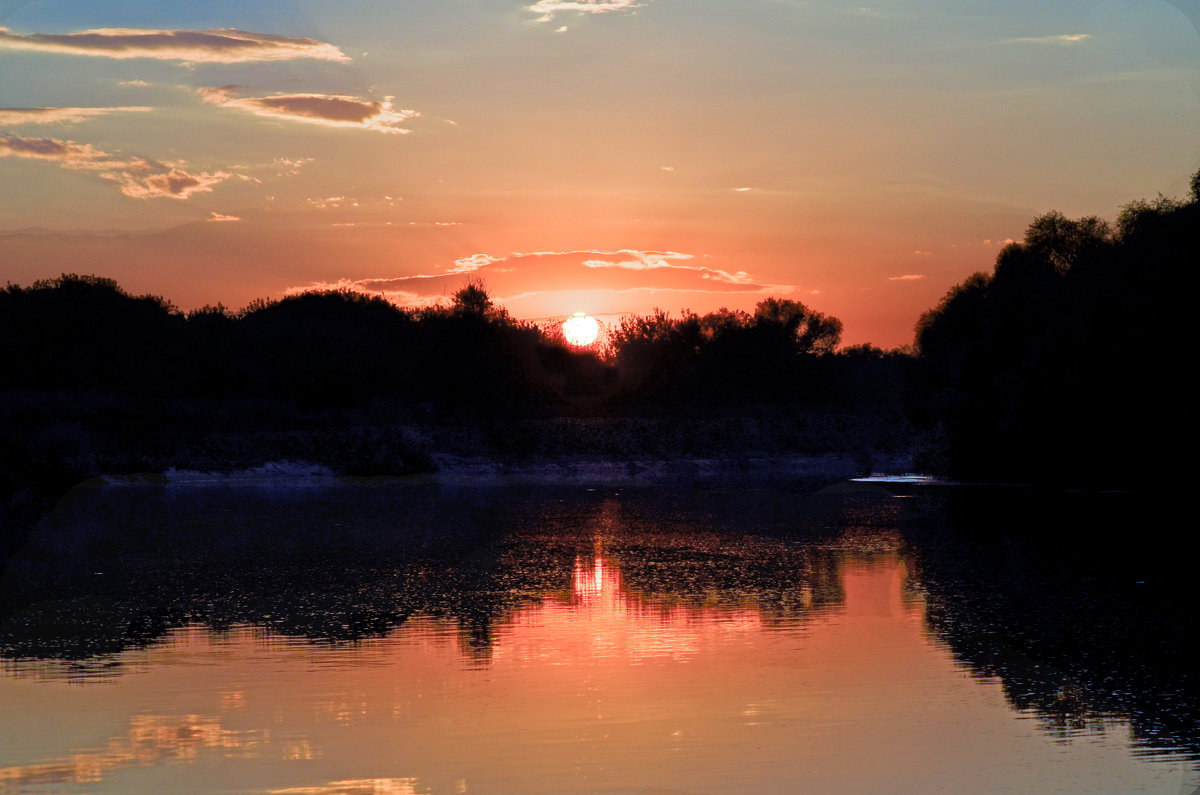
1064	363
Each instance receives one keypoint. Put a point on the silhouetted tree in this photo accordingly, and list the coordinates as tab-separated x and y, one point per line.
1063	365
473	299
330	349
85	332
812	331
724	359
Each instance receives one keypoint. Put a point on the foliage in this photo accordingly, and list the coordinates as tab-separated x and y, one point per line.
94	379
1063	364
725	359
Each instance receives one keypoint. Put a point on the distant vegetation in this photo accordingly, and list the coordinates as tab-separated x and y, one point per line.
1065	365
95	380
338	351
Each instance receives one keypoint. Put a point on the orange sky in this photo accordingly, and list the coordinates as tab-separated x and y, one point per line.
607	156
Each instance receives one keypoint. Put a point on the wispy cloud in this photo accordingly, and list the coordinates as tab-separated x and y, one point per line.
137	177
1066	39
175	183
548	8
333	110
908	277
217	217
68	154
12	117
190	46
651	260
518	276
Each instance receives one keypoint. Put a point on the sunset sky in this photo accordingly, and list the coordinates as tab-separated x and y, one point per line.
605	156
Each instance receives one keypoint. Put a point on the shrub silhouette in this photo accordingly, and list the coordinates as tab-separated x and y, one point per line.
725	359
86	332
322	349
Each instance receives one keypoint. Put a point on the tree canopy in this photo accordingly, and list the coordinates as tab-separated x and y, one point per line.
1065	362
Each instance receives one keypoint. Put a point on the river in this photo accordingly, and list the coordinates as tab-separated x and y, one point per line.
374	636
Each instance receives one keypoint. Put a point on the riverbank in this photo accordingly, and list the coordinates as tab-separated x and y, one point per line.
48	452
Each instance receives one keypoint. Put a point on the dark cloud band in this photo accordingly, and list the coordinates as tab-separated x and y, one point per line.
192	46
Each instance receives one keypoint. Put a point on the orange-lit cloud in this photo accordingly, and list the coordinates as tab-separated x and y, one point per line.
1071	38
521	276
138	177
12	117
548	8
68	154
652	260
173	184
190	46
217	217
908	277
333	110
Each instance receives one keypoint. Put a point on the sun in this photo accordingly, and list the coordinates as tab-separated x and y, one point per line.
581	329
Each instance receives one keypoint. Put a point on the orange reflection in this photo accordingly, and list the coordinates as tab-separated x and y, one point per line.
602	621
607	687
150	739
361	786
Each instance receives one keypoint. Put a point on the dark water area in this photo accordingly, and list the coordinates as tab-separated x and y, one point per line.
378	636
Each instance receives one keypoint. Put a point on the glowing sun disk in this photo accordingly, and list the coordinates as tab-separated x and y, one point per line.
581	329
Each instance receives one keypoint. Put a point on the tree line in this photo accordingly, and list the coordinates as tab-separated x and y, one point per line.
1066	363
339	350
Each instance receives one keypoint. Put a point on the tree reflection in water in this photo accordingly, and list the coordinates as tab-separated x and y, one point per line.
120	568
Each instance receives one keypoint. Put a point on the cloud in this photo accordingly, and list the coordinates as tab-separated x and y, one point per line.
1068	39
216	217
332	202
520	276
548	8
67	154
12	117
190	46
651	260
333	110
291	166
137	177
173	184
908	277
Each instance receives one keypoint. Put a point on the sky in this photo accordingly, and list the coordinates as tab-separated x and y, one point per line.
603	156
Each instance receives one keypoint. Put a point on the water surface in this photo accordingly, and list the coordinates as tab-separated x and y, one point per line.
358	638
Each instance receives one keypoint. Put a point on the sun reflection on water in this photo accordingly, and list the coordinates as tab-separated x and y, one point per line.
688	662
603	621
